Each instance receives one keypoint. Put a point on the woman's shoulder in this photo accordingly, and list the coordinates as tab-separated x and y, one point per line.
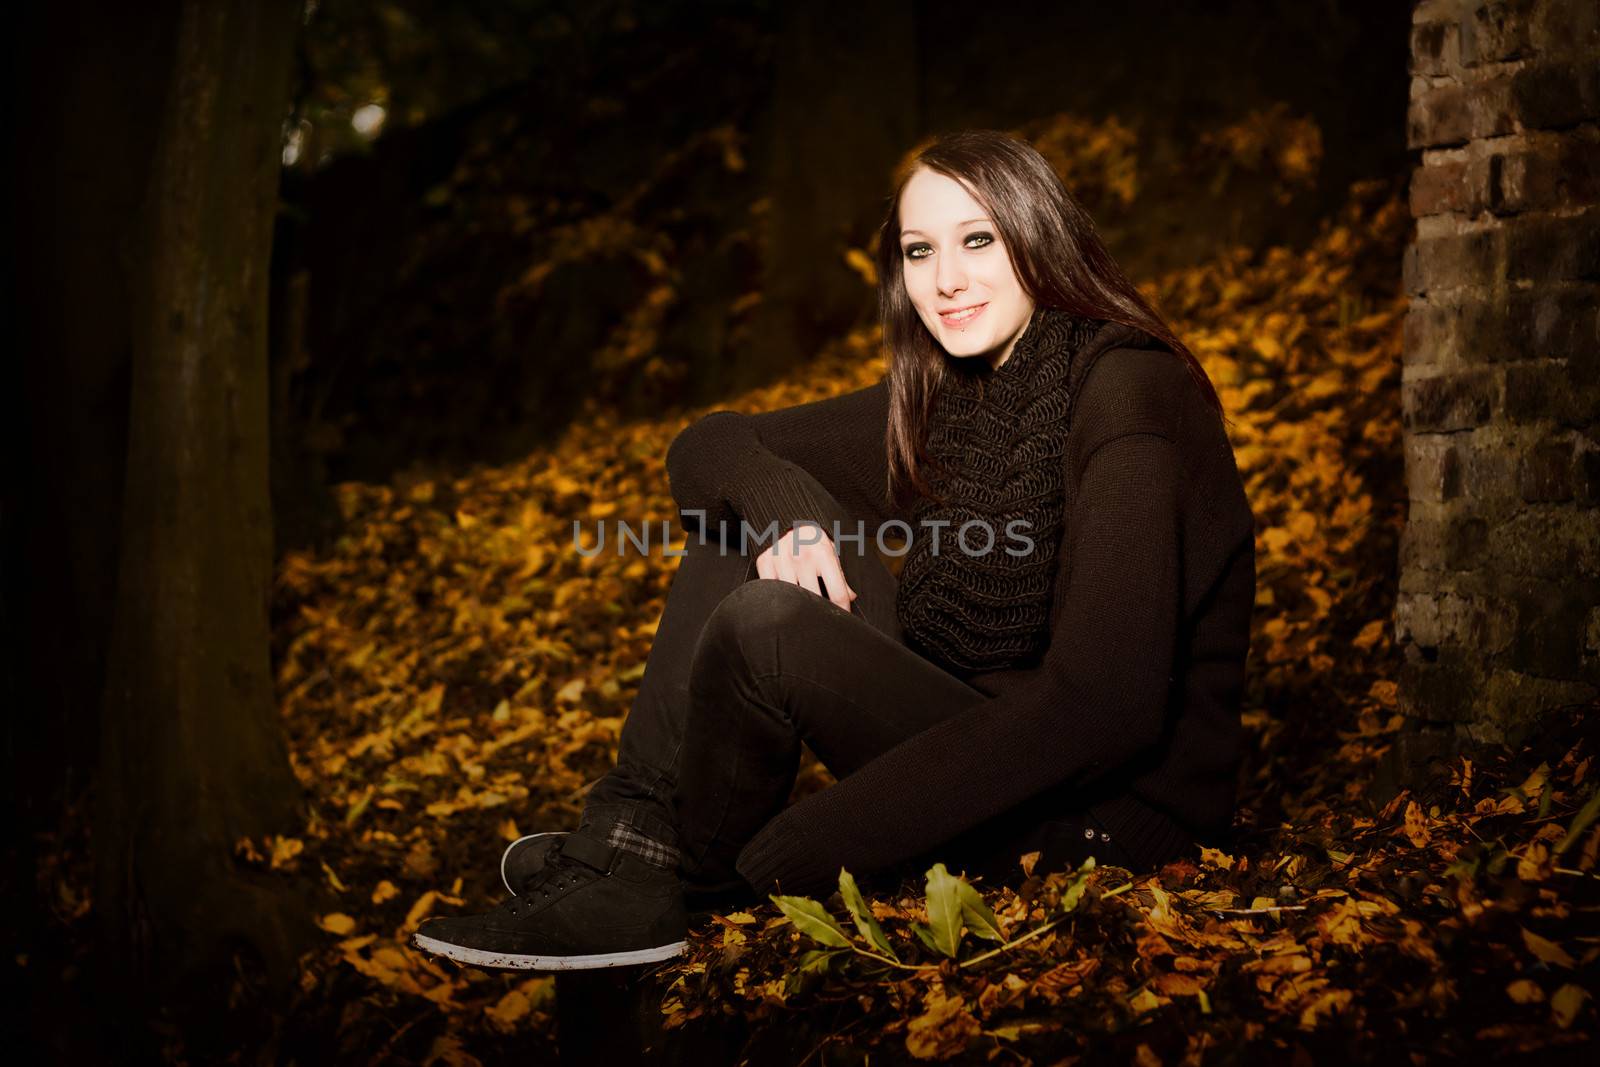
1131	386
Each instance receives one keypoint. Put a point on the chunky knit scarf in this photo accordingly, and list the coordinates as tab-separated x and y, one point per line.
1002	433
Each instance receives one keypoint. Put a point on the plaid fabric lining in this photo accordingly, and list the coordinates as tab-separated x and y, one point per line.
647	848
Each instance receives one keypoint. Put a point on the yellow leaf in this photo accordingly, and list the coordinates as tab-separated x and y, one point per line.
385	890
284	850
1534	864
516	1005
1533	785
420	909
1417	825
1546	950
1329	1002
1369	634
337	923
943	1029
1525	991
1145	1000
1566	1004
1268	346
862	264
1176	985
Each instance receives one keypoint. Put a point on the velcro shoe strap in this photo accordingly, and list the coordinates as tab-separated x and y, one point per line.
586	850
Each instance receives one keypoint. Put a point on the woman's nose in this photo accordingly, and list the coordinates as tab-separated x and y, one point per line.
950	278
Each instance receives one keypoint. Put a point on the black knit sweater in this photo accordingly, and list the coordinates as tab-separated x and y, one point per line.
1134	705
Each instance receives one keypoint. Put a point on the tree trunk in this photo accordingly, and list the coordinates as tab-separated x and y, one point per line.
844	112
88	70
192	756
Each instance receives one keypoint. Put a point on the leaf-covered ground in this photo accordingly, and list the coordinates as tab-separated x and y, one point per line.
453	673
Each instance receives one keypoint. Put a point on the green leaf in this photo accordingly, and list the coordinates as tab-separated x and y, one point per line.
944	910
857	906
925	935
813	920
976	914
819	960
813	965
1080	882
1580	823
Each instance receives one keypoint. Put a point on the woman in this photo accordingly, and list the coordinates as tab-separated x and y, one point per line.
1073	689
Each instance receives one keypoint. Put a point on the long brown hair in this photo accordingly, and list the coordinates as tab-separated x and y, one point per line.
1057	254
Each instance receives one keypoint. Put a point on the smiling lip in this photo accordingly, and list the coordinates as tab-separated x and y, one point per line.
962	316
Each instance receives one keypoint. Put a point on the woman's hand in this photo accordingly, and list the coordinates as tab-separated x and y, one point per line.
803	560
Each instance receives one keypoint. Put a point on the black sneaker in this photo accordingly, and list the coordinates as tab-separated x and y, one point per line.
525	857
590	905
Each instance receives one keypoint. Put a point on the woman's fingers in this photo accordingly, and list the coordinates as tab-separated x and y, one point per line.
810	565
786	561
839	590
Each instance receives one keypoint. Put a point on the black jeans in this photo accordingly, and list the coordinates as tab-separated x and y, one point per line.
743	670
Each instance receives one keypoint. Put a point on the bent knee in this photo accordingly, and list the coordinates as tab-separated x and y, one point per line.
750	622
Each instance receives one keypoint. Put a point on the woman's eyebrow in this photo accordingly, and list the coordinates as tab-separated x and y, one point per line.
919	233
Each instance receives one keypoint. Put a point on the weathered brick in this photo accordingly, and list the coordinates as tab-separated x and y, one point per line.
1466	540
1481	624
1453	260
1553	249
1548	96
1510	705
1561	544
1522	324
1498	31
1545	473
1433	470
1442	187
1586	474
1498	613
1488	468
1551	617
1486	624
1450	401
1436	11
1416	619
1456	114
1453	544
1559	175
1442	689
1428	332
1567	29
1530	324
1562	392
1433	48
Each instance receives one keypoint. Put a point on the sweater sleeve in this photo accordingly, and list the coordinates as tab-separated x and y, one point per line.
1096	700
779	466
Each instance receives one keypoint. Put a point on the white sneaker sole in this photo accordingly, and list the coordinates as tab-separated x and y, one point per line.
504	855
478	957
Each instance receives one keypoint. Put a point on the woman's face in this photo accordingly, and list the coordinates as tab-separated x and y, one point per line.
957	273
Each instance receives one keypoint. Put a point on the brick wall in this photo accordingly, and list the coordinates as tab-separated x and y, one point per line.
1498	615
